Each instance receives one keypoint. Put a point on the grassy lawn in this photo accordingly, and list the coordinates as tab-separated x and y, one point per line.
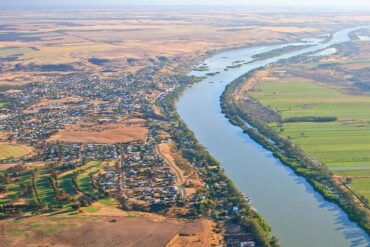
108	202
65	182
66	178
84	180
343	145
90	209
45	189
361	186
10	195
12	151
342	62
14	188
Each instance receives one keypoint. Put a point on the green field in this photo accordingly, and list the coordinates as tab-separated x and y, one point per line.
44	186
84	180
343	145
12	151
46	192
66	178
14	188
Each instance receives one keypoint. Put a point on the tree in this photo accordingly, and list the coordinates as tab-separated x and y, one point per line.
75	206
3	189
274	242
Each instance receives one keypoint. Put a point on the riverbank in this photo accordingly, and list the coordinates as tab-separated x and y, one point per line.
223	202
316	174
299	216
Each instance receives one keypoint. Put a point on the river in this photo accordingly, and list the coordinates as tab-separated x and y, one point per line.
298	215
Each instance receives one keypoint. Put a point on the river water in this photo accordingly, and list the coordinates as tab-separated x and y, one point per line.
298	215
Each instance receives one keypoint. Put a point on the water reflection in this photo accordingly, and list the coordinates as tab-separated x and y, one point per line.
298	215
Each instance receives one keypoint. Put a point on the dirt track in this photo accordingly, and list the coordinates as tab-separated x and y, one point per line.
164	149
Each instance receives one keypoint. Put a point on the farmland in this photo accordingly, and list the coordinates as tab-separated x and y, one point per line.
39	49
91	142
343	145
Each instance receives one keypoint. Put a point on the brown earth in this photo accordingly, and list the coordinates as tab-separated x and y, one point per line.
105	134
50	103
99	231
26	164
199	234
164	149
187	179
143	36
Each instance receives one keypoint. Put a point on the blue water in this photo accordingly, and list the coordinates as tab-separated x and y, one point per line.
299	216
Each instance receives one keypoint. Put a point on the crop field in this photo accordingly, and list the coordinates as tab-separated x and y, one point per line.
13	151
343	145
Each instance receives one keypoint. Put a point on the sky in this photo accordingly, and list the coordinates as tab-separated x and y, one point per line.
283	3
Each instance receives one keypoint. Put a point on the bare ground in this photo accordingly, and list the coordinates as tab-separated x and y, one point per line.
112	231
107	134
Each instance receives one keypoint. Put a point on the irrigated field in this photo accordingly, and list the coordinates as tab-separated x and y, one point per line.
342	144
16	189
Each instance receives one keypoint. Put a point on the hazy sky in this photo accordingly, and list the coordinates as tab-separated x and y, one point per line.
349	3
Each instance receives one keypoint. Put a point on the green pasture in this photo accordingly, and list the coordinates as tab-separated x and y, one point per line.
343	145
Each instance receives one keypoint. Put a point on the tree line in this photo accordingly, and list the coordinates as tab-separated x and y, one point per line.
221	189
290	154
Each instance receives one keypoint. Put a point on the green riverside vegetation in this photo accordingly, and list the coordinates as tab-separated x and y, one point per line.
282	146
221	190
340	141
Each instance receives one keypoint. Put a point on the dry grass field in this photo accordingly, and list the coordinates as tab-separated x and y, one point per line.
50	104
107	230
107	134
13	151
43	46
127	39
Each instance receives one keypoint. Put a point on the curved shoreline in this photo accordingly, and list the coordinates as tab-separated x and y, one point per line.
247	217
199	112
265	136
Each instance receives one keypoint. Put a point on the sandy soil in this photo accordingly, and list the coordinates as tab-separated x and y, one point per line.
198	234
164	149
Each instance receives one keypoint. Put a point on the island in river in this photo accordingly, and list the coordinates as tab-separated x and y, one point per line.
88	147
299	216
